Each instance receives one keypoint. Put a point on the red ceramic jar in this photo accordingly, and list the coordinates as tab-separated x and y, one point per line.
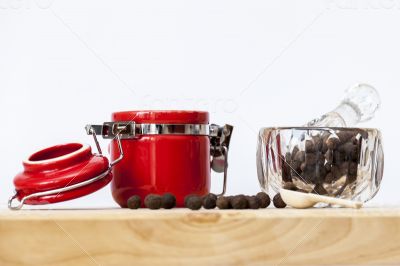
151	152
162	163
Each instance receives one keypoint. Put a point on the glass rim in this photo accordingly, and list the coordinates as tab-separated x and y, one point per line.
321	128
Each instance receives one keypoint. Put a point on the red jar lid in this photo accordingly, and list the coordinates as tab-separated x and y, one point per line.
162	117
60	167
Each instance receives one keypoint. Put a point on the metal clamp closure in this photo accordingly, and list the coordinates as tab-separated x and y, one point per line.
219	137
109	130
131	130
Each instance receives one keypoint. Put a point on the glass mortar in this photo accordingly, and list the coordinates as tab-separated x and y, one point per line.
334	161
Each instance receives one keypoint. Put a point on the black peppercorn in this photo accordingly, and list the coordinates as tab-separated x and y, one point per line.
332	142
253	202
264	199
239	202
295	166
290	186
278	201
300	156
318	142
319	190
335	170
134	202
193	202
310	147
345	135
152	201
286	176
210	201
168	201
294	152
311	159
329	178
223	203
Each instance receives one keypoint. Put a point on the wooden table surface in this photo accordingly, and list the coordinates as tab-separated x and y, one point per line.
370	236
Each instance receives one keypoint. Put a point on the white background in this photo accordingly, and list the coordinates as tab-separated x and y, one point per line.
64	64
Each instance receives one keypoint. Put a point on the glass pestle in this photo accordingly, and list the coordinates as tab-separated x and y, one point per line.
359	104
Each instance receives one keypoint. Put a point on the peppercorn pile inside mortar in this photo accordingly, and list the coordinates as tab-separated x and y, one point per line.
324	162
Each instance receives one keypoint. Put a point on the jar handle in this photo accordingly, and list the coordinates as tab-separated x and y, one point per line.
219	148
74	186
225	153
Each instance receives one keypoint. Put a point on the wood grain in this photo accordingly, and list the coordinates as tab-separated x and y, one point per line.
182	237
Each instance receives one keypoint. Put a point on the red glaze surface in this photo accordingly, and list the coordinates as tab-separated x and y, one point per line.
160	117
58	167
178	164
